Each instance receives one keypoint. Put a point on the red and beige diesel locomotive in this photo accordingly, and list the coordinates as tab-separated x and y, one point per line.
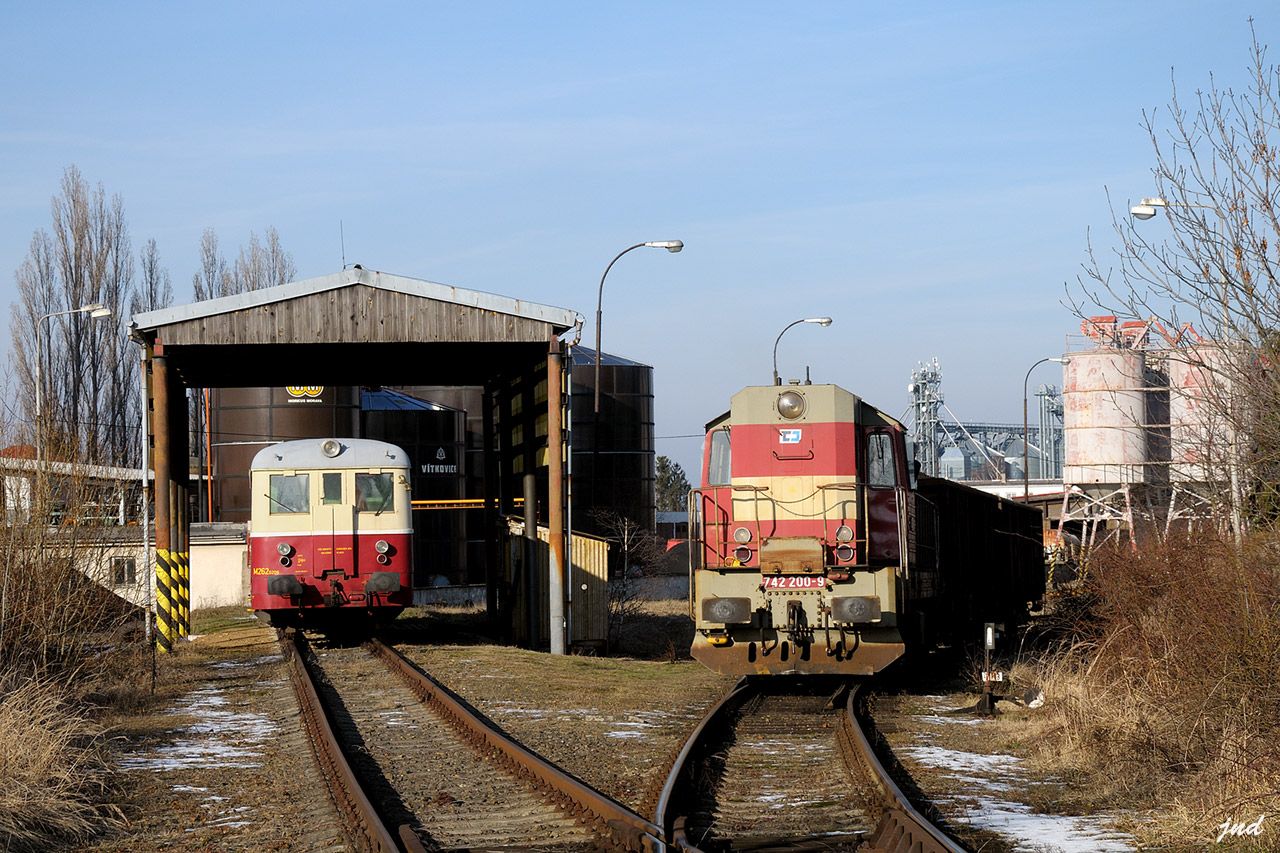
815	548
331	535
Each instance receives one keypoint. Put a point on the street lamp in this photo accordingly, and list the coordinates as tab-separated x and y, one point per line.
672	246
1145	210
821	321
96	311
1026	460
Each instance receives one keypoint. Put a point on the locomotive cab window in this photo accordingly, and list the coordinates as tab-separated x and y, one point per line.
374	493
718	462
331	488
881	466
289	493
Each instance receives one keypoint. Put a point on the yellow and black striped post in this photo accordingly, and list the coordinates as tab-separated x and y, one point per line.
184	570
167	609
168	612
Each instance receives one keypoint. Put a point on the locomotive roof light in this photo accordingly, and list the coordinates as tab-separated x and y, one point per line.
331	447
742	536
791	404
820	321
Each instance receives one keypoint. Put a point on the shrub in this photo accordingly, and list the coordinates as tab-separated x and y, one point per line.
1169	693
53	769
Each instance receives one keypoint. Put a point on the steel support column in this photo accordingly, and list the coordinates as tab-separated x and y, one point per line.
555	496
167	614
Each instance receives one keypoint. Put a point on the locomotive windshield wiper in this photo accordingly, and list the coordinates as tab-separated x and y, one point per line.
279	503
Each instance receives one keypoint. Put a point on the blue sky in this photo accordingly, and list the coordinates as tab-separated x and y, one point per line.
926	174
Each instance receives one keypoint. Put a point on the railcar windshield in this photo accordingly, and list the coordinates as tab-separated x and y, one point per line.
331	488
880	462
374	493
289	493
718	467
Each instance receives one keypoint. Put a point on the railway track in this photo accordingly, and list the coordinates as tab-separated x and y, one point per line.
413	767
788	766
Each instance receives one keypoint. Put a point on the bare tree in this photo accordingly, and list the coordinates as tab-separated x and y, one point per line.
1213	265
85	369
258	265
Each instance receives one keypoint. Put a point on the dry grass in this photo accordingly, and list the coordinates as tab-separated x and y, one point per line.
1167	695
53	771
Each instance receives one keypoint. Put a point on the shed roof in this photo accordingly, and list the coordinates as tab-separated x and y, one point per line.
355	327
562	317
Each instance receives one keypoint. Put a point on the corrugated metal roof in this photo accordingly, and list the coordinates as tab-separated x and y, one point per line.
562	317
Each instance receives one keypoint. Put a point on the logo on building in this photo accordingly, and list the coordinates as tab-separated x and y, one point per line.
304	393
442	468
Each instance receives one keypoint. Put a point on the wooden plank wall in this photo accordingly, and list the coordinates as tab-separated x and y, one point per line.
589	613
355	314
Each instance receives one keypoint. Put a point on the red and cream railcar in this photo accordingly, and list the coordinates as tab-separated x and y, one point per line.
331	536
814	549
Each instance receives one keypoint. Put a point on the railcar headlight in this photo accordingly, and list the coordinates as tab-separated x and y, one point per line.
844	533
284	549
742	554
331	447
286	562
383	559
790	404
742	536
382	546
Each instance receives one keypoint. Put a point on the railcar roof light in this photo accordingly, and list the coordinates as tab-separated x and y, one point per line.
331	447
791	404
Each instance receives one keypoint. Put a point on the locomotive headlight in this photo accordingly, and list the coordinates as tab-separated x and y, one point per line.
331	447
284	549
790	404
844	553
844	533
742	536
382	546
742	554
285	561
383	559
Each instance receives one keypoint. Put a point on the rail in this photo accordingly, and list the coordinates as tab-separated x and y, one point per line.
901	826
628	829
362	819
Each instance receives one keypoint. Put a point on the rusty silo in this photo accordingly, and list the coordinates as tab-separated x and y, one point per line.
1104	399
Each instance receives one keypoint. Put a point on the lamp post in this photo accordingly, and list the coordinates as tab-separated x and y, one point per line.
1146	210
96	311
672	246
821	321
1026	456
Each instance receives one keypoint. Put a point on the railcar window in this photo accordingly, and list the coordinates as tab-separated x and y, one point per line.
290	493
880	467
331	488
718	468
374	493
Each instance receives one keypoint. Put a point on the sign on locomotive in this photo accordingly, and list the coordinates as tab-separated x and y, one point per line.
815	548
331	537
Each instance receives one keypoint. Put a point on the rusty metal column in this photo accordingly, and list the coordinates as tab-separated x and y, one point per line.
555	495
166	612
492	561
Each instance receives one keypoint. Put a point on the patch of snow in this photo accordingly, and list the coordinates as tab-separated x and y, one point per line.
220	737
938	718
968	762
189	789
629	735
1046	833
261	660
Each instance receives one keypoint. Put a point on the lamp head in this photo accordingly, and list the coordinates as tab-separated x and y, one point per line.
1142	211
672	246
821	321
100	312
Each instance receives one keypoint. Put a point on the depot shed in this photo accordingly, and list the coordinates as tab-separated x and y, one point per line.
364	327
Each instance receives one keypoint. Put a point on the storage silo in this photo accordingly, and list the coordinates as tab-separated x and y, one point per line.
1104	417
1200	434
244	420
